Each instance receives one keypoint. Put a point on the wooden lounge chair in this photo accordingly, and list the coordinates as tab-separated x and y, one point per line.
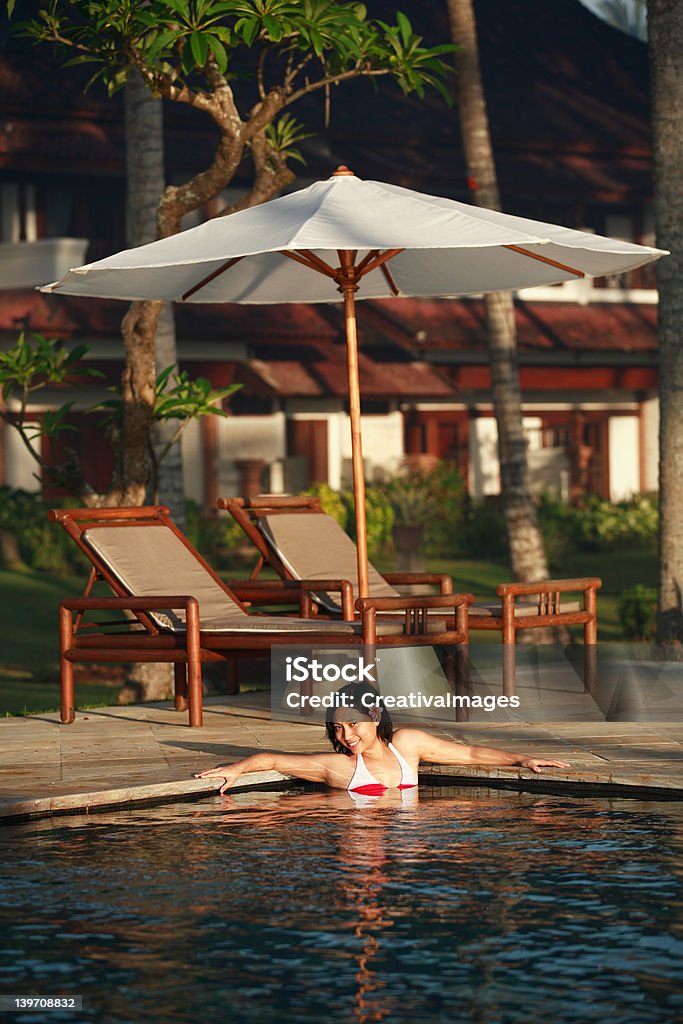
183	613
299	540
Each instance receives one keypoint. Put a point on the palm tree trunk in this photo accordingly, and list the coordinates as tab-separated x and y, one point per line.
665	24
527	552
146	182
154	348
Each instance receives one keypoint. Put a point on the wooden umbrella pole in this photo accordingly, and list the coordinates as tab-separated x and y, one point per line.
349	286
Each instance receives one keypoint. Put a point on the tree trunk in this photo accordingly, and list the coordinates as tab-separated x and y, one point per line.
146	184
170	482
665	23
527	553
145	181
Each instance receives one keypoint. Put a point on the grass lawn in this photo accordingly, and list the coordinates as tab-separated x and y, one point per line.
29	658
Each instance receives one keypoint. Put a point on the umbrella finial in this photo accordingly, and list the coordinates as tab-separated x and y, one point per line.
343	171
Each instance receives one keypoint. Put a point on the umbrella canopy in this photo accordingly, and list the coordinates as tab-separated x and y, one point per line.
348	235
448	249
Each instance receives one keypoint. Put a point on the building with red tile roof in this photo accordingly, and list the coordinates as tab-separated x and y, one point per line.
568	104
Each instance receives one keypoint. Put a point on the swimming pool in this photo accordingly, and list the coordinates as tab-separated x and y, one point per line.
468	905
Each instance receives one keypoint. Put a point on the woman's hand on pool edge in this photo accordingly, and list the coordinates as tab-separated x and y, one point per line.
536	763
228	772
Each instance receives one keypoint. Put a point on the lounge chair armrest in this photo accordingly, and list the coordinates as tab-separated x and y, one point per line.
416	613
139	604
437	579
133	604
399	604
588	583
301	590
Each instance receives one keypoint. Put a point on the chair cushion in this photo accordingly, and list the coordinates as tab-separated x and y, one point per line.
150	561
314	546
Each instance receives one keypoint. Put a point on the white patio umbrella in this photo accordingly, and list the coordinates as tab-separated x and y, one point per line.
326	239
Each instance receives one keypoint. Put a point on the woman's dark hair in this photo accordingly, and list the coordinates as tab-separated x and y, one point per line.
351	697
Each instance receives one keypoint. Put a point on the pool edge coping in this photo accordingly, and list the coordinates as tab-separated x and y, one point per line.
607	785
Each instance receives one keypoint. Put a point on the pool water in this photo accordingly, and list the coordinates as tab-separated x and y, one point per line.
458	904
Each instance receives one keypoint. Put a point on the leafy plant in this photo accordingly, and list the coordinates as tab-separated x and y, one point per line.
331	501
638	612
36	362
243	63
177	397
485	530
24	515
412	500
31	365
215	537
379	519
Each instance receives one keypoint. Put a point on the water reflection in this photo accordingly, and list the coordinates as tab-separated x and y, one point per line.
301	905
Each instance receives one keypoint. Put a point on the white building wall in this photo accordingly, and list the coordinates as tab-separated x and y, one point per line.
624	457
20	468
382	446
650	441
336	425
247	437
484	468
193	475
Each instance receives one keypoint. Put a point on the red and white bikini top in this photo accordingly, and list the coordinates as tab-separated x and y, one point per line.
364	782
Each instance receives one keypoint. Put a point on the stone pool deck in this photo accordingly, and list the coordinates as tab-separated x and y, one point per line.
119	756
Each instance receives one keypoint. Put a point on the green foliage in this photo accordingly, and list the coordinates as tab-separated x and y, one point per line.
379	519
596	525
36	362
413	501
436	500
332	502
600	523
283	135
415	66
557	521
485	530
178	397
30	366
316	42
638	613
216	537
41	545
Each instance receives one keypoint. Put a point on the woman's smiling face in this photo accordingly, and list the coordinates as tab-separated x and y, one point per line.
357	735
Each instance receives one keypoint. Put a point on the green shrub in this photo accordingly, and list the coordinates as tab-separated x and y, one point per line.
445	536
379	517
595	525
332	502
435	500
600	525
638	612
557	521
485	530
217	538
42	545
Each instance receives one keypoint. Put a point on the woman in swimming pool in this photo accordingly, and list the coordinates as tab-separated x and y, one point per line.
369	756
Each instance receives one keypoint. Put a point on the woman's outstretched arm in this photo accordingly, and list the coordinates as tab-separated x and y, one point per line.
435	750
311	767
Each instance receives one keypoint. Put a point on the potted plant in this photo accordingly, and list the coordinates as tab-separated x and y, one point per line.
413	503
